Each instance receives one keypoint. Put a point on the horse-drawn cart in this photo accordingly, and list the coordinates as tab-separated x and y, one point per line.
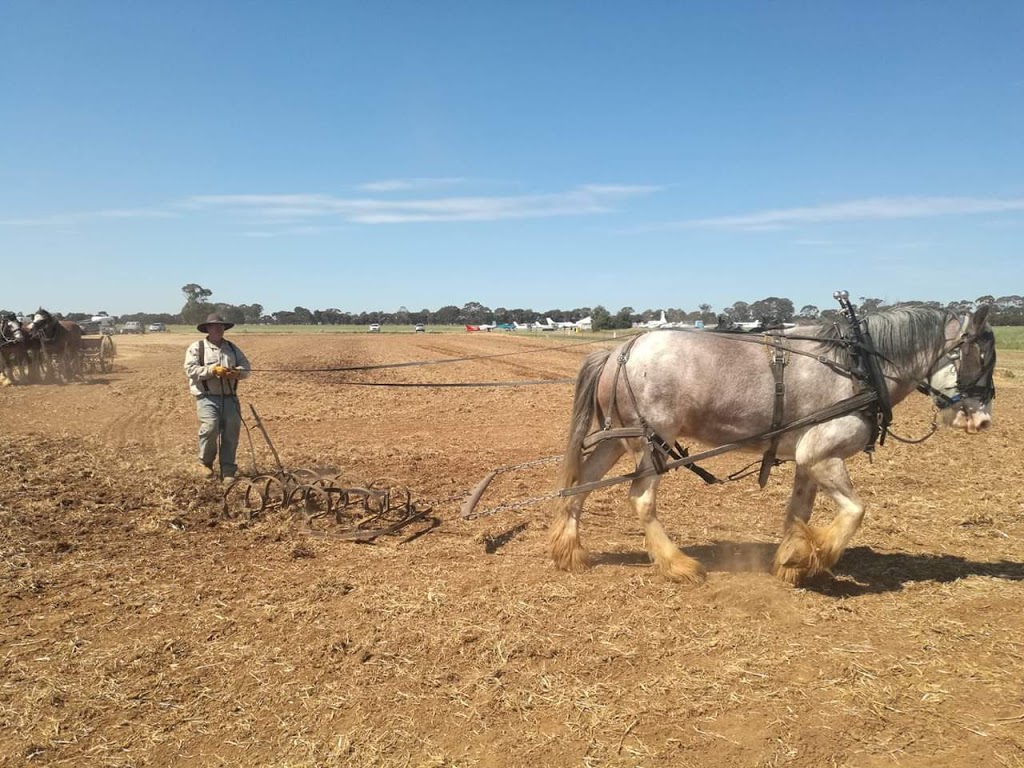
97	354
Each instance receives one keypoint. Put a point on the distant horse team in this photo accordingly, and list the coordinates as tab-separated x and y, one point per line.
44	350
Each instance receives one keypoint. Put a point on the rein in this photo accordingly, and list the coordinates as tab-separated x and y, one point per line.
440	361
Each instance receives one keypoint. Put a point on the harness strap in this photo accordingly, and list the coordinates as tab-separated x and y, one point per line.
867	368
657	447
850	405
620	364
779	360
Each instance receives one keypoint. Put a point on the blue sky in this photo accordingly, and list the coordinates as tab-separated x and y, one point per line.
532	154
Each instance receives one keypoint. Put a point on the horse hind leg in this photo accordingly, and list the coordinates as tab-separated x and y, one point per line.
667	557
669	561
564	536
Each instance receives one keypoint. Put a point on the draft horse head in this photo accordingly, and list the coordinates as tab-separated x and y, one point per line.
60	342
11	331
960	381
13	349
45	326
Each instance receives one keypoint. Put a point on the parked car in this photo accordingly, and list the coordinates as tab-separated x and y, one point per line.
420	328
132	326
157	327
374	327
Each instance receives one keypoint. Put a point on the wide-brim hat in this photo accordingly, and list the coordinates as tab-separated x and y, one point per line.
214	319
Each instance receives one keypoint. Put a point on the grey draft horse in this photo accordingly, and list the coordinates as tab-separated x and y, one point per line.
15	346
717	390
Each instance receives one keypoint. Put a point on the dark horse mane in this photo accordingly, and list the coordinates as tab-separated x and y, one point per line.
899	333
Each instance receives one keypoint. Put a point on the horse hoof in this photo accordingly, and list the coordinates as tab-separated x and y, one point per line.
792	576
798	557
688	572
574	560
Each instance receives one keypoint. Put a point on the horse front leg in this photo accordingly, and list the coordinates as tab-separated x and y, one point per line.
669	561
805	551
797	552
564	535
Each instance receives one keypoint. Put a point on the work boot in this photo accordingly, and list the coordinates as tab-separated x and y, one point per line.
228	480
204	471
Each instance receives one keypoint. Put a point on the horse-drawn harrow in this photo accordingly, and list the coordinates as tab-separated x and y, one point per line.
326	505
329	506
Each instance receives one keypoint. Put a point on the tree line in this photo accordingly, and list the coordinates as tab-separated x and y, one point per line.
1006	310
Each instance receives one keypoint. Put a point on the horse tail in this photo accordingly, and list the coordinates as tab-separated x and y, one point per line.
564	534
584	410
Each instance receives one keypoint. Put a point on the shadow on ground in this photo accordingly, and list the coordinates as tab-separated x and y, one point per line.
860	571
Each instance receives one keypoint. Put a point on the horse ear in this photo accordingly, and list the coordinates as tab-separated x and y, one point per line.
979	317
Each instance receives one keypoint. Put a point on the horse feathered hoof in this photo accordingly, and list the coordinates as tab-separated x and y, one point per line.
798	557
564	539
683	570
572	559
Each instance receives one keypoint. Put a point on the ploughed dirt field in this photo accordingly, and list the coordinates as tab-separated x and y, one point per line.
140	627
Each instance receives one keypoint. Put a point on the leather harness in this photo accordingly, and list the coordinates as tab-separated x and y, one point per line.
659	449
865	368
779	360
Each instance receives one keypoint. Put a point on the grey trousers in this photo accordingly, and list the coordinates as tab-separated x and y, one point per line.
219	417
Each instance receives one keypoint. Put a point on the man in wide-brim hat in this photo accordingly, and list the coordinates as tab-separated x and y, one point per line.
214	318
214	367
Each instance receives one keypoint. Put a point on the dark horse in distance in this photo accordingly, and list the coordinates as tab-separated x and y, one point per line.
60	345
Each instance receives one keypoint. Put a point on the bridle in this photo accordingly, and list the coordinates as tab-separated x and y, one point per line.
964	372
43	323
16	337
960	378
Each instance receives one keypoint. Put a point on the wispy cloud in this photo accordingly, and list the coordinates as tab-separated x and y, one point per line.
581	200
300	230
403	185
868	209
813	243
109	213
304	214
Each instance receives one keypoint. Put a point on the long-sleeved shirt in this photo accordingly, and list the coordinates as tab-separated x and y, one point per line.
201	380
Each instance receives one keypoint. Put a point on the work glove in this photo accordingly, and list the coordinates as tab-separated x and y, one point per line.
232	373
221	372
